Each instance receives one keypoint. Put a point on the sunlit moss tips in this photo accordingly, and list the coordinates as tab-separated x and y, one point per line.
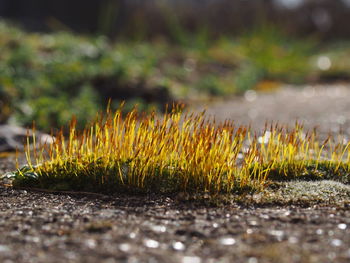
180	152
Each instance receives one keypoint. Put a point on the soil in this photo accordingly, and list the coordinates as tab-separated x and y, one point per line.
53	227
323	106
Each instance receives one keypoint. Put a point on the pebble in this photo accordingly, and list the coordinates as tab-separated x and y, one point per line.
151	243
178	246
189	259
342	226
227	241
4	248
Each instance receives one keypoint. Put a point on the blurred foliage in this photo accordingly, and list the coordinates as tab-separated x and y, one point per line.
50	77
333	61
273	55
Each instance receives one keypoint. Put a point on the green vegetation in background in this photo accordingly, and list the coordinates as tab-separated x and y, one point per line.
269	54
50	77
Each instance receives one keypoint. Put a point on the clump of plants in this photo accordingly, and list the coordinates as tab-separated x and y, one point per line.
180	152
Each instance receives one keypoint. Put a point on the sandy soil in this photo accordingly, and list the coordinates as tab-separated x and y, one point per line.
39	227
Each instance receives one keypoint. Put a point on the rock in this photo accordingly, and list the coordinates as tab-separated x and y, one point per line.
14	137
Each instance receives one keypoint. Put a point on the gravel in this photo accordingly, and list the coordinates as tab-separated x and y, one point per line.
41	227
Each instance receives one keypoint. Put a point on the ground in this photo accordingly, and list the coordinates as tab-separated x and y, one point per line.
51	227
322	106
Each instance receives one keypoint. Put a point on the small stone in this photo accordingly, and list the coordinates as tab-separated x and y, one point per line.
319	231
342	226
125	247
161	229
293	240
252	260
227	241
90	243
4	248
178	246
190	259
336	242
151	243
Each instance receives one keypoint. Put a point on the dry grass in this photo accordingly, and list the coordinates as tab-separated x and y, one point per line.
180	152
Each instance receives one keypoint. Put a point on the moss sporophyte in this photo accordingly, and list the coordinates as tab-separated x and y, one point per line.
180	152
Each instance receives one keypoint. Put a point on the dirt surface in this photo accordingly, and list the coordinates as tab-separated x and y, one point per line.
325	107
46	227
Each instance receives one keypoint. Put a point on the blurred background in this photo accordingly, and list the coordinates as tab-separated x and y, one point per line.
64	58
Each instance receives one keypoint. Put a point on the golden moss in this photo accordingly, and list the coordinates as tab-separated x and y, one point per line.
180	152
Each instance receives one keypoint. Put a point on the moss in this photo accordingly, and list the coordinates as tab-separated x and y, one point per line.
180	152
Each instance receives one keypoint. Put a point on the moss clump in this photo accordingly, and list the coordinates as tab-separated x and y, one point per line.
180	153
